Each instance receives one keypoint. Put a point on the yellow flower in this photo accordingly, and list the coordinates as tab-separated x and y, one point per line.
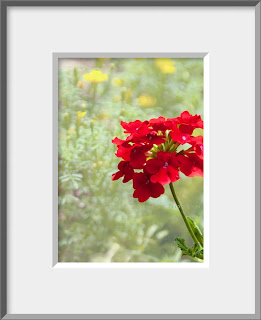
80	114
80	84
166	65
118	82
104	116
95	76
146	101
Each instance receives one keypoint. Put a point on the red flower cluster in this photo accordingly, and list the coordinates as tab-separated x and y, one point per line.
154	149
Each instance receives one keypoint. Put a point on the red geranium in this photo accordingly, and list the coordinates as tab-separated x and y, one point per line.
145	188
152	146
124	170
136	127
191	165
138	156
164	169
187	123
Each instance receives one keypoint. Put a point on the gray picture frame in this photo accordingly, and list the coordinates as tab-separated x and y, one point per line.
3	160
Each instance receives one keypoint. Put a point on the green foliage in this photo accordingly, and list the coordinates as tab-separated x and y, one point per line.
196	252
99	220
196	231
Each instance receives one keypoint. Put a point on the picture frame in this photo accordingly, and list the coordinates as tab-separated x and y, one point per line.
4	160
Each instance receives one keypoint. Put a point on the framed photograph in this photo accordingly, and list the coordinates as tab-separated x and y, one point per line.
130	160
127	115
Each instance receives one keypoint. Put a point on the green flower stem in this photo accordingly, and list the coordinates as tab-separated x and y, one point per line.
183	215
94	93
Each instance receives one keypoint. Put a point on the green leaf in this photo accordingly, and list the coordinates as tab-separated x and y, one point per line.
196	231
195	252
182	245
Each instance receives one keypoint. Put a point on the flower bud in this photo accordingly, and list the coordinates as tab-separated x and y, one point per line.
80	84
92	124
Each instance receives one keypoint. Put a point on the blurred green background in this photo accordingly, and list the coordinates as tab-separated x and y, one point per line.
99	220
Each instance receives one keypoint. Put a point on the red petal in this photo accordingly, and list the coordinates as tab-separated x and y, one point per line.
164	156
161	176
186	165
117	175
195	120
142	194
173	173
131	126
139	179
178	136
186	128
185	116
138	157
153	165
156	190
191	165
128	175
197	143
117	141
156	139
122	165
173	160
158	120
123	153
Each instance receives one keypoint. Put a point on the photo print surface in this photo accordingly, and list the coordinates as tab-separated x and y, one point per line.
130	160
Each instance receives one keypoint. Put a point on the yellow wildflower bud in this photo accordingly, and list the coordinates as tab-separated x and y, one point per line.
104	116
118	82
146	101
165	65
126	94
80	114
80	84
92	124
95	76
123	112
